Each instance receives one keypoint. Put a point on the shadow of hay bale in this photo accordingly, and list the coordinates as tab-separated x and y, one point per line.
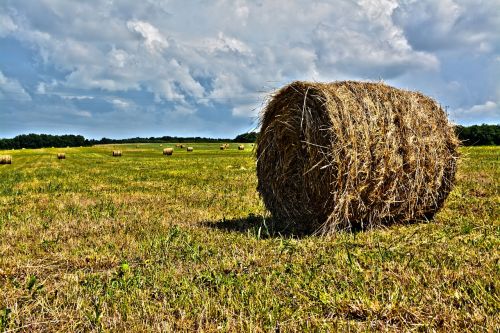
258	226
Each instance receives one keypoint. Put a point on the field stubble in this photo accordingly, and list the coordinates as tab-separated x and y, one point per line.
149	242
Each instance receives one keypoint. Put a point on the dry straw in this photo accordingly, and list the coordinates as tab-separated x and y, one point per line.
168	151
117	153
61	156
5	159
189	149
342	155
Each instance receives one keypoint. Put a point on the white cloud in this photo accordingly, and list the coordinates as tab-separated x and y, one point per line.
6	25
450	24
226	44
246	110
82	113
488	112
121	104
227	54
153	39
11	89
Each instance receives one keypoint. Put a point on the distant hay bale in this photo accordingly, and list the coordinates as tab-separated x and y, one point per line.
178	145
61	156
161	145
241	147
182	146
117	153
189	149
344	155
168	151
5	159
222	147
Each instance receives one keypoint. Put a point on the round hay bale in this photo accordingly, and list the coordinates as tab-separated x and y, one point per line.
222	147
189	149
345	155
168	151
5	159
178	145
117	153
182	146
161	145
241	147
61	156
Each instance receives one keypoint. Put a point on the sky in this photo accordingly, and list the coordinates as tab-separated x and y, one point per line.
118	69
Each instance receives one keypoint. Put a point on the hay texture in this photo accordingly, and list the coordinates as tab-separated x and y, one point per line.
168	151
61	156
189	149
343	155
5	159
117	153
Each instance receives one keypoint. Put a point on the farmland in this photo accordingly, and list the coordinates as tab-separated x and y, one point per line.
146	242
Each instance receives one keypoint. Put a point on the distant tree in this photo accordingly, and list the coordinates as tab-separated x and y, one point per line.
479	135
246	137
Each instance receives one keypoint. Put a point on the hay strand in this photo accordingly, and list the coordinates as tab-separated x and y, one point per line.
343	155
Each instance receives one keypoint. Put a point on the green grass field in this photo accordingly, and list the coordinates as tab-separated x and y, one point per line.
146	242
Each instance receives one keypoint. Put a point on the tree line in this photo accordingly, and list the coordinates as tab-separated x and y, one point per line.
479	135
476	135
58	141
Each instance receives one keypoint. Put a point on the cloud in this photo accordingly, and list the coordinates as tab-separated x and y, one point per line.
6	25
450	24
217	60
488	112
11	89
153	39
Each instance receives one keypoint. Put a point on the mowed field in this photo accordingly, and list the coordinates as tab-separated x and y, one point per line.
146	242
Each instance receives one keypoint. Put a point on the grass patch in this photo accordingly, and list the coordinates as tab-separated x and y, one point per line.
148	242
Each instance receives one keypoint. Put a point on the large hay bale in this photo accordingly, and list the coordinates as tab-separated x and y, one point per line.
345	155
189	149
5	159
117	153
222	147
61	156
168	151
241	147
